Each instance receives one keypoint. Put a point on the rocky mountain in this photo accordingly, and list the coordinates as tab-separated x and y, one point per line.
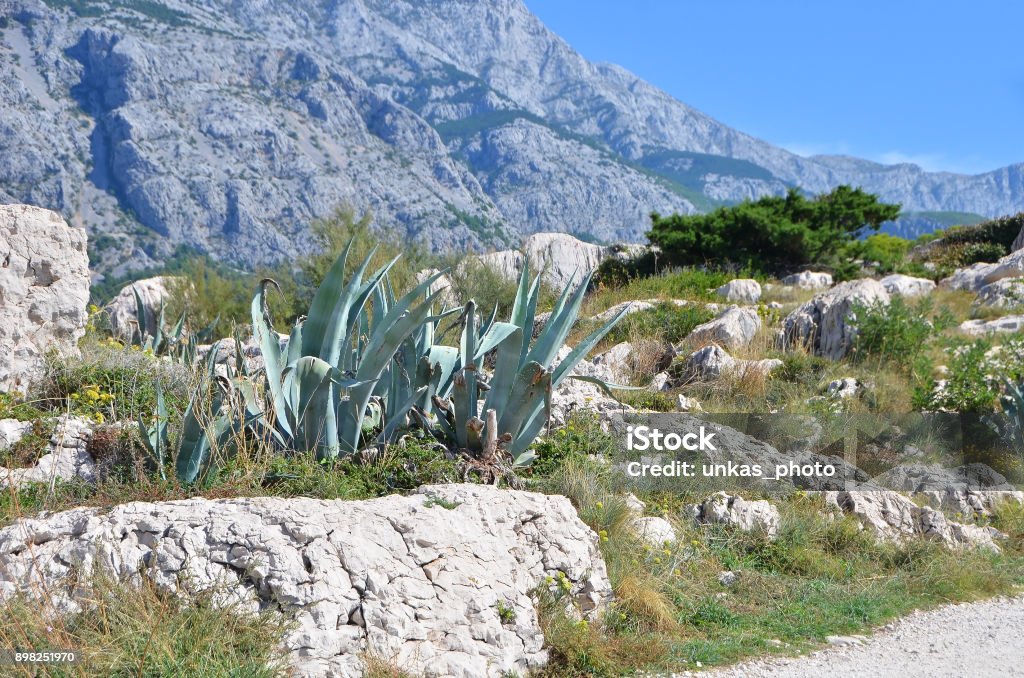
229	126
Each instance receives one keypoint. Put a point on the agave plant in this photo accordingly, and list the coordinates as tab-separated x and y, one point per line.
324	388
176	342
210	421
516	398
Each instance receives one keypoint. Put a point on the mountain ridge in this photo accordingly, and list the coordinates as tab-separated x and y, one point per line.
229	126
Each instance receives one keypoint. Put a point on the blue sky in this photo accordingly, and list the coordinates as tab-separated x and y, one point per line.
938	83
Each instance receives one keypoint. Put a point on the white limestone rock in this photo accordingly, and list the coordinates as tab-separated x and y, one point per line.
824	325
894	517
809	280
907	286
735	327
1005	293
975	277
740	291
712	361
1006	324
44	291
722	508
654	531
401	577
123	310
66	457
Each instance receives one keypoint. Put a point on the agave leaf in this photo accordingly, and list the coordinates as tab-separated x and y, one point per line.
310	398
506	365
194	446
329	314
465	402
447	359
529	391
204	335
558	326
606	386
140	316
395	327
495	334
266	339
397	417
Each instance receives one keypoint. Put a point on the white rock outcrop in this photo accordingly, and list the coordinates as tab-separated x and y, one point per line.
823	324
574	395
123	310
1006	324
844	388
65	458
559	257
894	517
740	291
722	508
735	327
44	291
1005	293
1018	243
809	280
908	286
417	579
654	531
712	362
976	276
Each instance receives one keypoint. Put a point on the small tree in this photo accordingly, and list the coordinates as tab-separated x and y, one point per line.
774	233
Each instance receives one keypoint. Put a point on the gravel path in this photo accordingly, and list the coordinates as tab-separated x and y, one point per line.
972	639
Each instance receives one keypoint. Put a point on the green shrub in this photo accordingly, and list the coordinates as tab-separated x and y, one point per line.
665	321
887	252
975	379
774	233
897	333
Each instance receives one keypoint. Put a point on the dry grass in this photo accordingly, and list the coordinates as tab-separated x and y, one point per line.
139	630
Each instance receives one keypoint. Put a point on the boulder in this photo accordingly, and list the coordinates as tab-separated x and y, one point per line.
712	361
1008	323
442	284
661	382
417	579
635	505
969	489
844	388
559	258
722	508
809	280
898	284
975	277
1005	293
1018	243
727	578
741	291
66	457
894	517
123	310
619	361
687	404
823	324
44	291
654	531
735	327
573	395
